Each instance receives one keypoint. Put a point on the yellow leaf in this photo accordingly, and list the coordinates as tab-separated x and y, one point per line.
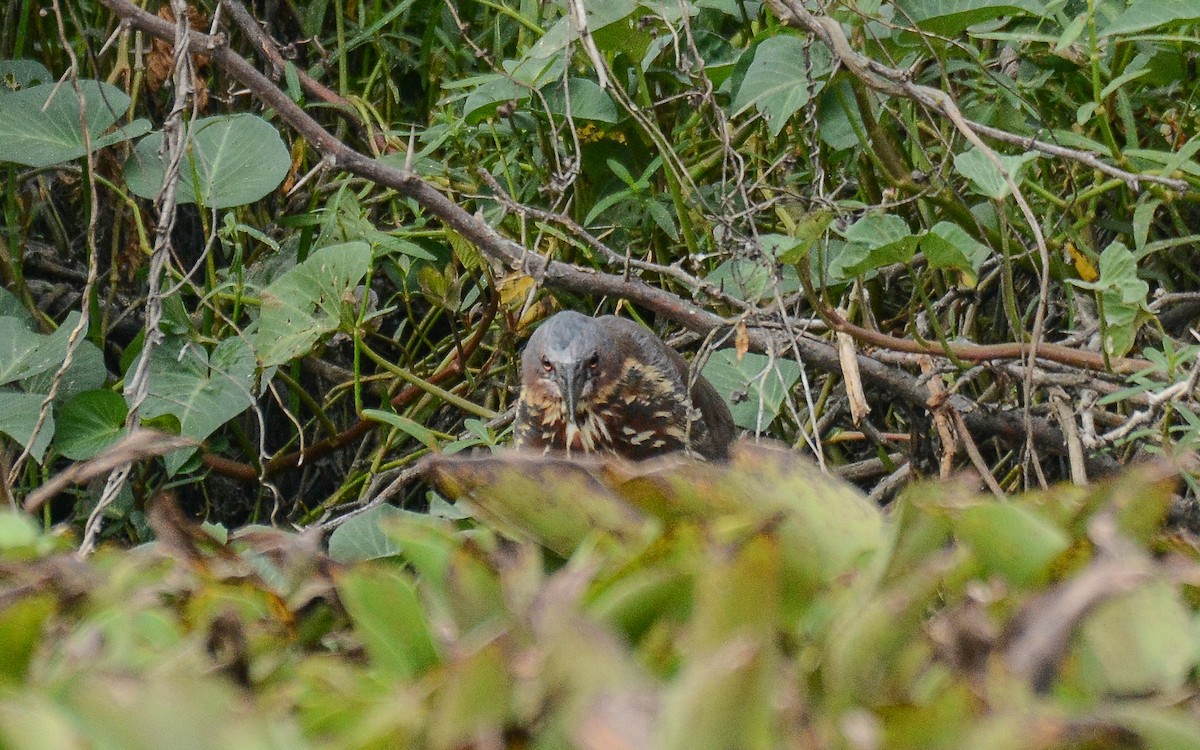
1083	265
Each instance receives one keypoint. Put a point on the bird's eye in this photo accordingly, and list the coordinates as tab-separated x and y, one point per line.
546	365
594	363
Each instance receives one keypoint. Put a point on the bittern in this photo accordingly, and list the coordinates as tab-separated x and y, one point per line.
608	385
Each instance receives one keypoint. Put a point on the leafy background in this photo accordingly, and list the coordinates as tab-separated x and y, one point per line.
859	220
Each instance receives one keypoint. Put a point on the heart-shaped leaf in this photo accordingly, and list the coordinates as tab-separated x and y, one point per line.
231	160
306	302
43	125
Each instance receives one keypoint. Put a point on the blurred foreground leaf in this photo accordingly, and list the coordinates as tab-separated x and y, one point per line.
601	603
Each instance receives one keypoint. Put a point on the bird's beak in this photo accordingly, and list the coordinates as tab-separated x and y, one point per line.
569	385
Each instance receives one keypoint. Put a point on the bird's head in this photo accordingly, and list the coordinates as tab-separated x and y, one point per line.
569	359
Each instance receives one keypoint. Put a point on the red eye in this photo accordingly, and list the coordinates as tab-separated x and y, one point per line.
594	363
546	365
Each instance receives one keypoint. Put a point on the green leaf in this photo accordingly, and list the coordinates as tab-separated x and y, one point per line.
623	174
18	418
952	17
1148	14
43	125
23	623
32	721
1010	540
1071	33
483	102
441	286
776	83
408	426
24	353
33	359
633	603
877	240
554	501
977	167
753	276
948	246
804	231
663	219
606	203
841	123
387	615
735	8
308	301
877	230
1124	651
19	355
231	160
722	697
203	392
17	532
181	705
15	74
1164	159
751	385
825	526
1160	727
363	538
1182	156
88	423
87	370
11	307
1143	216
587	101
474	699
343	220
1123	296
613	25
871	633
453	567
520	78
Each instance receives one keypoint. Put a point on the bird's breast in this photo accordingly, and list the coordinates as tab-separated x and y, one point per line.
641	414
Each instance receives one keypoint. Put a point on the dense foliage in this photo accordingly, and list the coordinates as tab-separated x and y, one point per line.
318	330
259	262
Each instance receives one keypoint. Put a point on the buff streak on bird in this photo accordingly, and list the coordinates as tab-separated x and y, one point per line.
608	385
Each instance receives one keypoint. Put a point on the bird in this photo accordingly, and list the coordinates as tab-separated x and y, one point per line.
609	385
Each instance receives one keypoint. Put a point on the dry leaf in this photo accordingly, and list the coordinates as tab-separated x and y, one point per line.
848	357
741	340
160	62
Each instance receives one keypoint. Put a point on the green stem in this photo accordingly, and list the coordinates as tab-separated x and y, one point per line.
1098	86
1007	292
428	387
306	398
530	25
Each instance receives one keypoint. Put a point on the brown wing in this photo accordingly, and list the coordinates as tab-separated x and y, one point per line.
717	422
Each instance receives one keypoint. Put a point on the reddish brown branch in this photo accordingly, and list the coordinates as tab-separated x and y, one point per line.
1063	355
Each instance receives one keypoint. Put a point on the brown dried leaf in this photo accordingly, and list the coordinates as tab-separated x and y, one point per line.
160	62
741	339
848	357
